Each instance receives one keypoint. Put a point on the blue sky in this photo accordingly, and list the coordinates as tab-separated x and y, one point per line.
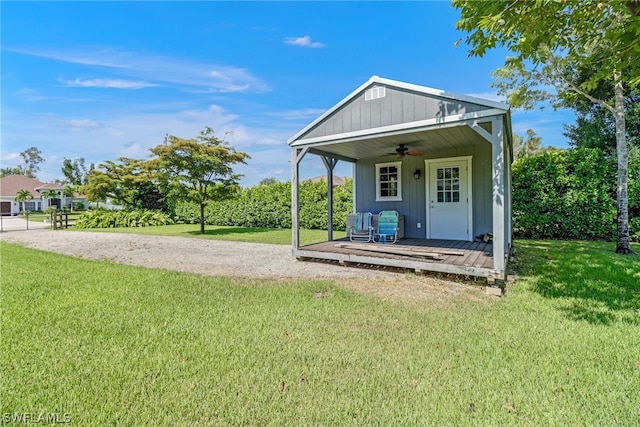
101	80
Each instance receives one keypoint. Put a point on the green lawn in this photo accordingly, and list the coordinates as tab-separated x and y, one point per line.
120	345
279	236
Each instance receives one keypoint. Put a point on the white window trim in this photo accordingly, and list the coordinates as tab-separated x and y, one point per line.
397	198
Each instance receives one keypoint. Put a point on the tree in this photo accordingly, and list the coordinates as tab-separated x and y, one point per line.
268	181
198	170
69	193
75	171
551	37
595	127
526	147
10	171
31	158
24	196
128	182
49	194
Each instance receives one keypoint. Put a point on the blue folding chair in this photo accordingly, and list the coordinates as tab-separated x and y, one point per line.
387	227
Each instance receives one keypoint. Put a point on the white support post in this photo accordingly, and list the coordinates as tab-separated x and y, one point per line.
329	164
499	202
296	156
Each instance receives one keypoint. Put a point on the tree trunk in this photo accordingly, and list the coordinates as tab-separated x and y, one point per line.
622	239
202	220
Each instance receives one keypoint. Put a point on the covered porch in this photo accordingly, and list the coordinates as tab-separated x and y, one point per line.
420	255
441	160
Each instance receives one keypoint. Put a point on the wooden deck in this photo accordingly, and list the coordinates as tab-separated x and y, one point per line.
449	256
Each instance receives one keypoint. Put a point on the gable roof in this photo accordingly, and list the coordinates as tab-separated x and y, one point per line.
449	103
11	184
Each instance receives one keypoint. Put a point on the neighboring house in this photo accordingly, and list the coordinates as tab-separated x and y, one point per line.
12	184
337	180
442	160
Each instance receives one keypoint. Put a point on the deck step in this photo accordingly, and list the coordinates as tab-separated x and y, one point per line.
399	250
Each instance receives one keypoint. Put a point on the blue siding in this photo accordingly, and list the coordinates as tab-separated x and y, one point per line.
413	204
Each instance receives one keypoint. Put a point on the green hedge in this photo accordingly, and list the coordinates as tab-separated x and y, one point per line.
102	218
571	195
269	206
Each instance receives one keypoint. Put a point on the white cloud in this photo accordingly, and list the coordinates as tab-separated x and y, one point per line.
131	133
83	124
108	83
163	70
303	42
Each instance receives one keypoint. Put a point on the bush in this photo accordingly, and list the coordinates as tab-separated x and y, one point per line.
269	206
102	218
570	195
79	206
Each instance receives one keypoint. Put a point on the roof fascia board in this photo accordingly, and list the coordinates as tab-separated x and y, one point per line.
441	93
399	128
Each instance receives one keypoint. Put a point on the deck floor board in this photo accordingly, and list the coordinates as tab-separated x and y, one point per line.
475	254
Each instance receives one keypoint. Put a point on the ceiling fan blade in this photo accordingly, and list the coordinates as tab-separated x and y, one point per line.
414	152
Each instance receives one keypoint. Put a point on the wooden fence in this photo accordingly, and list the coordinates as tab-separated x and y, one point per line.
61	219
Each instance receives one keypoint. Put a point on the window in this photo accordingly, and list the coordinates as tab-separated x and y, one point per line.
389	181
31	206
375	93
448	185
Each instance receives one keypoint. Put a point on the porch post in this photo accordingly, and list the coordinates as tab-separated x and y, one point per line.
329	164
499	194
296	156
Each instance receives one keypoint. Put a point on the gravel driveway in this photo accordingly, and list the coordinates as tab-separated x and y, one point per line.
224	258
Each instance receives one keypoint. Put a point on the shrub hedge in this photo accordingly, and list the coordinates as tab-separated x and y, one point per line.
571	195
102	218
269	206
562	195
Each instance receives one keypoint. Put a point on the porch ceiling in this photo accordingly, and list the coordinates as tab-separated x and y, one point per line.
426	140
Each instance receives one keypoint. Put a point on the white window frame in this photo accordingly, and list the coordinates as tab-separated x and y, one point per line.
398	197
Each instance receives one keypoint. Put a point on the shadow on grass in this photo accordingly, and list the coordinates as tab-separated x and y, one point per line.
591	282
223	231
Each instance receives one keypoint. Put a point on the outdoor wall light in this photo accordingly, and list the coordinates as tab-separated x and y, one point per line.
416	174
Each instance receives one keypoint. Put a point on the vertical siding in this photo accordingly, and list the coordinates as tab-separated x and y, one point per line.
398	106
413	204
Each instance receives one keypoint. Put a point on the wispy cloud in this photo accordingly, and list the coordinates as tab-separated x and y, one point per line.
78	125
303	42
146	67
108	83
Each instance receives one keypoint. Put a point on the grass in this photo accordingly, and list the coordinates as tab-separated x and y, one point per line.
278	236
121	345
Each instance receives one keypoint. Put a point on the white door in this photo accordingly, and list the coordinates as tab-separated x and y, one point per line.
448	199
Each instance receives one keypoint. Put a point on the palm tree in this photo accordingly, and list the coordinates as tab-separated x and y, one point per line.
68	194
50	194
24	196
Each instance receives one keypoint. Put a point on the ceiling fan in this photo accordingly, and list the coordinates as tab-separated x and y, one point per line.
402	151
